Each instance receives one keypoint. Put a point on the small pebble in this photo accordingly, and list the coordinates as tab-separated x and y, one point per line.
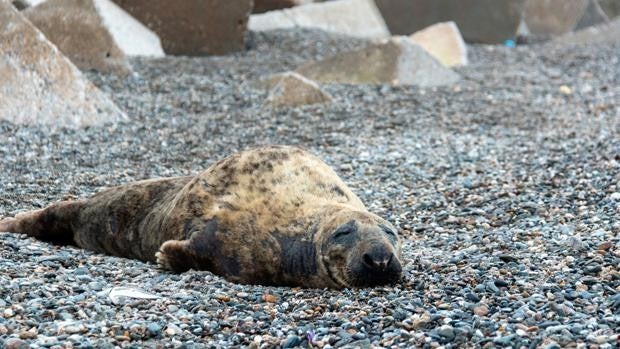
172	330
223	297
500	283
291	341
269	298
481	310
565	90
14	343
154	329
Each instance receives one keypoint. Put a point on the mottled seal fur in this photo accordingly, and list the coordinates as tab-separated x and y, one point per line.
273	215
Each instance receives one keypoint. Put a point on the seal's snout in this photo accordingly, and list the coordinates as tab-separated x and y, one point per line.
361	250
378	265
378	258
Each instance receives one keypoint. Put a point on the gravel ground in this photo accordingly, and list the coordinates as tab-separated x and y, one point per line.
506	189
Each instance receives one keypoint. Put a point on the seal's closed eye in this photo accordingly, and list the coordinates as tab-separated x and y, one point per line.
345	230
388	231
342	233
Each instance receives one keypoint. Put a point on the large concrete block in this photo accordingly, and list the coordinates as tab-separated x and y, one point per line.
483	21
610	7
194	27
261	6
444	42
292	89
94	34
41	86
396	61
594	15
358	18
603	34
24	4
549	18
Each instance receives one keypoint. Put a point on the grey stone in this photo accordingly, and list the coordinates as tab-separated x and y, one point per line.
48	341
610	7
444	42
41	86
608	33
357	18
593	15
154	329
396	61
292	89
194	27
261	6
15	343
94	34
446	332
291	341
24	4
485	21
550	18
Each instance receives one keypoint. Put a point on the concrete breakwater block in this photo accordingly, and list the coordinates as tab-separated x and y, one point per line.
39	85
358	18
396	61
194	27
444	42
94	34
292	89
482	21
261	6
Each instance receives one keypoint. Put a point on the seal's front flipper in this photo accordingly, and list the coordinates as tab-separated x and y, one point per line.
197	252
174	255
53	224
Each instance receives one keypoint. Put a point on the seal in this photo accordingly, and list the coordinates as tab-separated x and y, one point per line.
274	215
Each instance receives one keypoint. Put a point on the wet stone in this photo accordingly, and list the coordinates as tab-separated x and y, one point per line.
472	297
154	329
593	269
14	343
291	341
447	332
500	283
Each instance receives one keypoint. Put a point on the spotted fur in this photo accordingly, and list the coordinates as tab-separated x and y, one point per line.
262	216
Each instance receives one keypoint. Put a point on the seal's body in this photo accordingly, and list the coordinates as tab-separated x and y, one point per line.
273	215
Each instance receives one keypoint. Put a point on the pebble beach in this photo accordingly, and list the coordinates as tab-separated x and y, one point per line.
505	188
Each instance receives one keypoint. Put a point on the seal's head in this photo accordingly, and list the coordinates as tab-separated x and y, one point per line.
360	249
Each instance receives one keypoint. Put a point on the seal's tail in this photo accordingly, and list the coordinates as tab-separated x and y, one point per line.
53	223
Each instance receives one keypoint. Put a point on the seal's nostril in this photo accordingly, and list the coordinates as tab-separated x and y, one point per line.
378	265
383	264
379	262
368	260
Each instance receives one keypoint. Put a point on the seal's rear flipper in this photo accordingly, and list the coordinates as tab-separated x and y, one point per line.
53	223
